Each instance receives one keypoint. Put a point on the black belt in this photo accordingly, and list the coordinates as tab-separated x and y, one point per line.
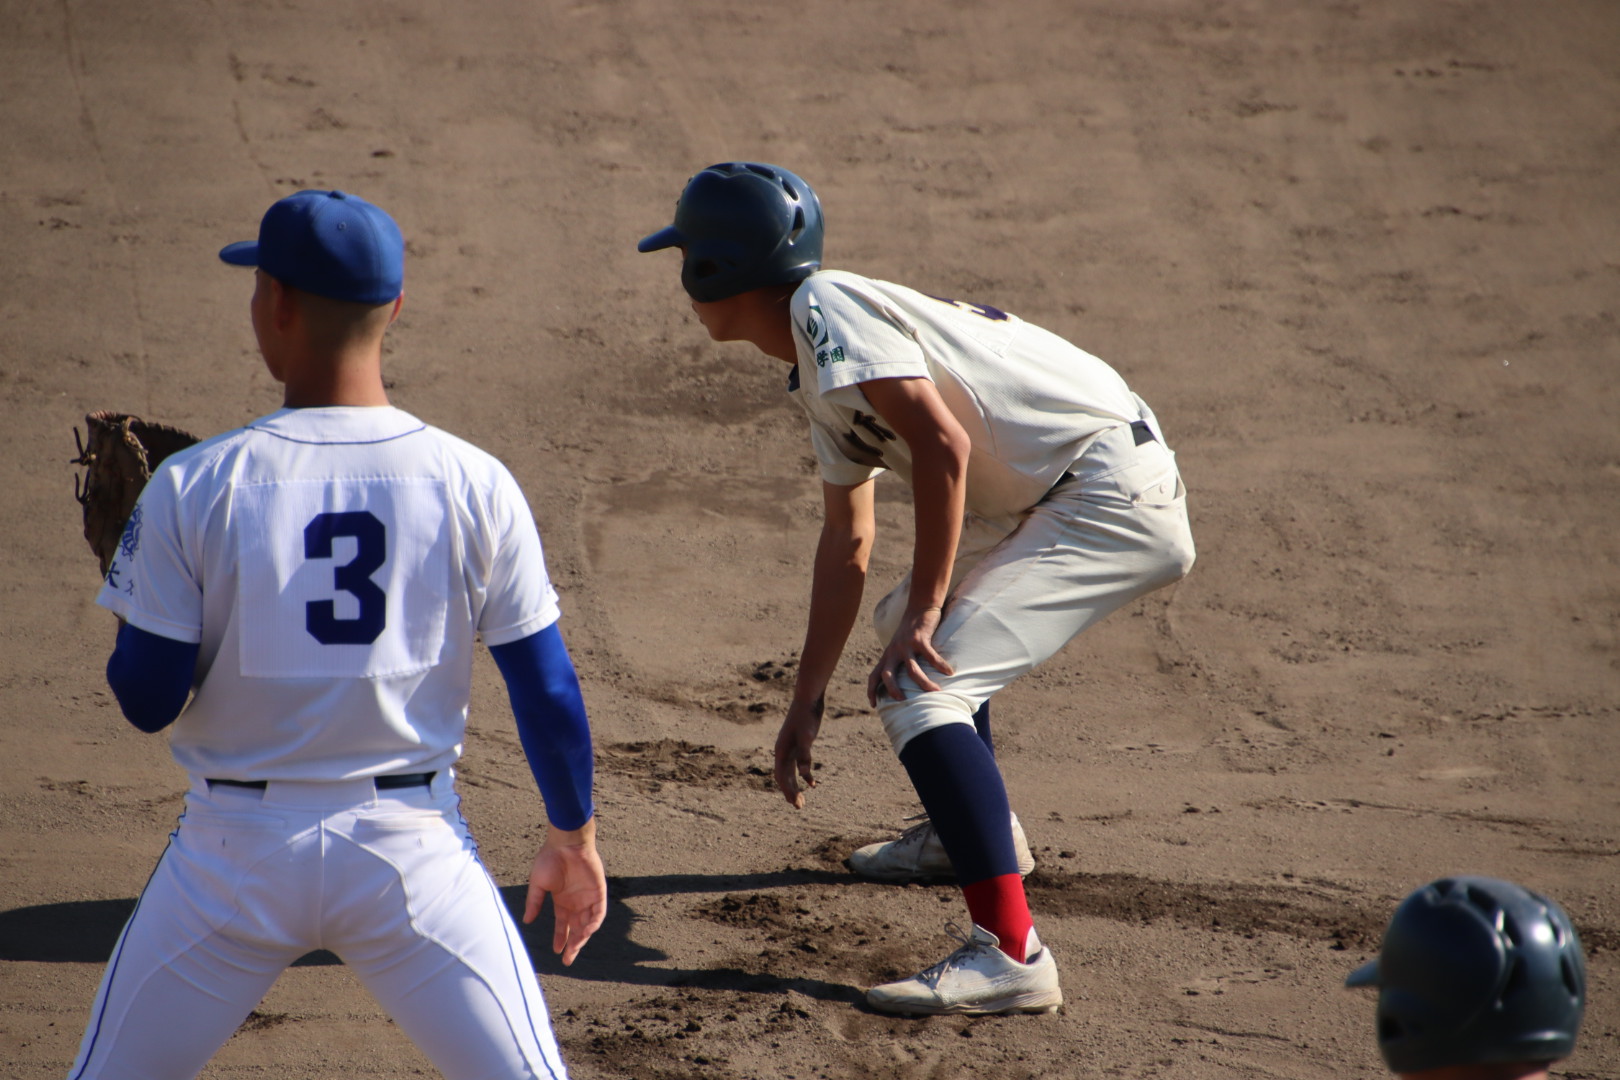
384	783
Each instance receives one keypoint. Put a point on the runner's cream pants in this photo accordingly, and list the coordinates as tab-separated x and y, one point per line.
1112	530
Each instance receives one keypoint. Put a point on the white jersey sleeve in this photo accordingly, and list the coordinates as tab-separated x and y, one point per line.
843	339
1029	401
518	597
152	582
853	336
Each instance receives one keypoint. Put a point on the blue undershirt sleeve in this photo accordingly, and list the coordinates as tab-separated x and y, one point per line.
551	722
151	675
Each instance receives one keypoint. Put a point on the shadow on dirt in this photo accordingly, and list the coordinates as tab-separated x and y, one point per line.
85	932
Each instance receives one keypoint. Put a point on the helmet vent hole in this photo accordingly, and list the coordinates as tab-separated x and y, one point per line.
1486	905
1389	1029
787	187
760	170
1572	981
705	268
798	224
1514	983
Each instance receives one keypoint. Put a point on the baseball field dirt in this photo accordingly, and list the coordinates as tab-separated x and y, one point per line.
1363	258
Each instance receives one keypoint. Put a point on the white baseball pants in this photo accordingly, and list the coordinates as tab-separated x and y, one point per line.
251	880
1114	529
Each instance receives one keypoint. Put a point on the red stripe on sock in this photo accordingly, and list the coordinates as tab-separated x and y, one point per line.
998	904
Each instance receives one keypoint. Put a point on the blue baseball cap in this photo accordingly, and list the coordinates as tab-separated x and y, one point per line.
328	243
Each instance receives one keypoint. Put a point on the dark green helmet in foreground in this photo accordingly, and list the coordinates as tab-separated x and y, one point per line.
1476	971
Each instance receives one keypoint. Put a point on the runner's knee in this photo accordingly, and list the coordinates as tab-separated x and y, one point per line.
920	712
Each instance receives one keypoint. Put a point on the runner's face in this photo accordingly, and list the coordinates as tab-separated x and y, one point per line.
719	318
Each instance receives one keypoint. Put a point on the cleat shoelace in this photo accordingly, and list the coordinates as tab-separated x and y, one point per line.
922	826
933	975
917	834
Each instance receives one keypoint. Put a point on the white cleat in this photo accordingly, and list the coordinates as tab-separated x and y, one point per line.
919	856
976	980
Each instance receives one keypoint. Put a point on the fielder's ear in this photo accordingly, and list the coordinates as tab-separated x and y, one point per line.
399	302
283	304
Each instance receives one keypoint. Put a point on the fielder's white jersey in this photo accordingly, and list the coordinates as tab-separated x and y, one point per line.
334	564
1029	400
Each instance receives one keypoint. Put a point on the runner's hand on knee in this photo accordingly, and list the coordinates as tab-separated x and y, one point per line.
911	647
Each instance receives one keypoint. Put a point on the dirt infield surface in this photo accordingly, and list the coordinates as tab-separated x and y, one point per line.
1363	258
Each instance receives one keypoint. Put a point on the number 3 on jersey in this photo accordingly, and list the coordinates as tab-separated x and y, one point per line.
352	577
343	579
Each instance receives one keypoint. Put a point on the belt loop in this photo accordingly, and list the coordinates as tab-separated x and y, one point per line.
443	782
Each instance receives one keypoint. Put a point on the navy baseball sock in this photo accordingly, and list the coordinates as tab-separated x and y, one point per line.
956	778
981	724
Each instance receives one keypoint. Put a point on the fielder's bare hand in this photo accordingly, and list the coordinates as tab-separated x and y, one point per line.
568	867
911	647
793	761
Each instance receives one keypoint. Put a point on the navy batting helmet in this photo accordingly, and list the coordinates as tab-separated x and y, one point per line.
1476	971
743	225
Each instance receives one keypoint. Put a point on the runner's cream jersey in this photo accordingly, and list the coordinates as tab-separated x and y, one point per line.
1029	400
334	564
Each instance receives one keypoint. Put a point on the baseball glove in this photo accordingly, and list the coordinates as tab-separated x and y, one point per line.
119	453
